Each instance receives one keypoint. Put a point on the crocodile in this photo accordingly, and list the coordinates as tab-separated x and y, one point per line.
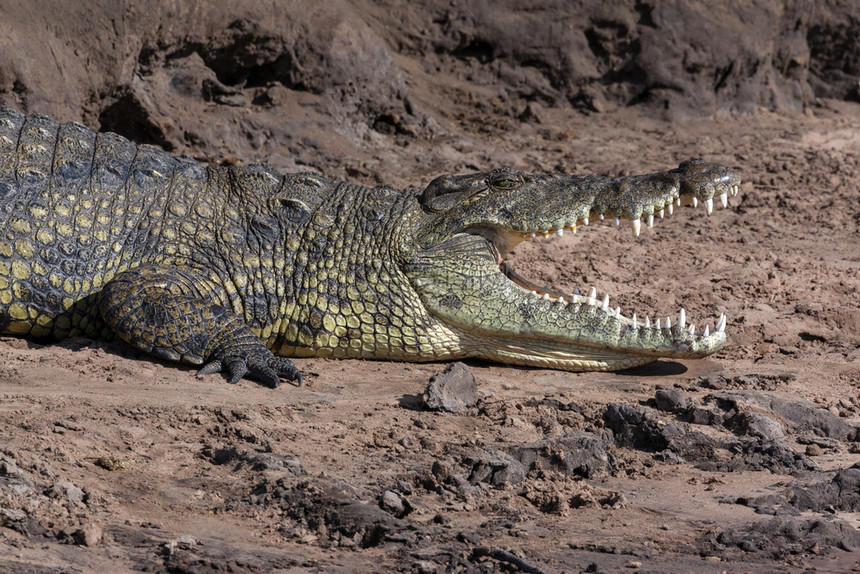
235	269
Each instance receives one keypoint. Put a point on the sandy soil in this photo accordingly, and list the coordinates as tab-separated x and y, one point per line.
111	461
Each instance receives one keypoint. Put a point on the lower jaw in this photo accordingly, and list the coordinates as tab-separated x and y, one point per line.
537	355
572	365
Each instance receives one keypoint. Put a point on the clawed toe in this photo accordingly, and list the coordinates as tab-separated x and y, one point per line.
266	369
237	369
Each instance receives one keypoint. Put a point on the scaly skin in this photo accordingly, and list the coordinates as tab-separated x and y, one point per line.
236	268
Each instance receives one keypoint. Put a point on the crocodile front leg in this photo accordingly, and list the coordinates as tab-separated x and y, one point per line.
160	309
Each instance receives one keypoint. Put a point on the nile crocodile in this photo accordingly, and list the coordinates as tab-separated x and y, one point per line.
237	268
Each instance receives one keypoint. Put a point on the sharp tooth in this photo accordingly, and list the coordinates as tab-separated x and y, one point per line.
545	232
650	221
671	208
546	296
576	291
591	296
662	212
533	292
559	231
678	201
721	325
605	302
658	324
692	329
709	205
585	220
636	226
618	311
707	331
647	322
562	301
634	321
668	323
532	235
735	190
724	199
617	221
574	230
601	217
695	201
682	318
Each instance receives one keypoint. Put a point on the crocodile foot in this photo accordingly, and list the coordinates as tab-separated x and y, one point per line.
259	364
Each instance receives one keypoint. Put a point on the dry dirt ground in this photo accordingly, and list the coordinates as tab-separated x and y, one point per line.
748	461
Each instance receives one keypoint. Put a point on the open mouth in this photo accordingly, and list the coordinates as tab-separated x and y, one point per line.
504	242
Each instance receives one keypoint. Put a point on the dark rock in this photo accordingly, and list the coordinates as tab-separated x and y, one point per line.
842	493
670	400
469	487
636	427
702	416
761	426
813	450
452	390
799	415
773	504
66	492
495	468
441	470
20	522
404	487
272	461
746	381
9	469
330	507
369	522
806	417
88	535
669	457
394	504
757	454
219	455
820	441
715	382
780	536
632	426
13	476
575	454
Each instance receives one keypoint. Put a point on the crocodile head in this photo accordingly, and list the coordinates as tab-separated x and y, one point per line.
471	222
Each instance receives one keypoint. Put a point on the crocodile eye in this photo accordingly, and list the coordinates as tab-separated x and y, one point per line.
505	181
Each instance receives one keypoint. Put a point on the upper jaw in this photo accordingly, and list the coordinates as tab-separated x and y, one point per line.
637	199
